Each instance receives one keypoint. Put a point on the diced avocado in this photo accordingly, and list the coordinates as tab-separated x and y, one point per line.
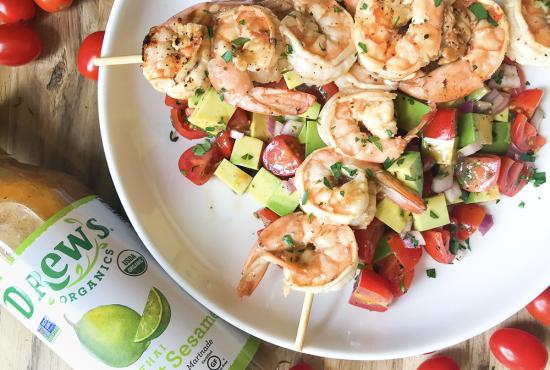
281	203
211	114
409	111
501	139
382	250
392	215
479	94
435	215
258	126
484	196
312	112
475	127
292	81
408	169
457	200
502	116
313	140
303	134
233	176
443	151
247	152
263	186
451	104
194	100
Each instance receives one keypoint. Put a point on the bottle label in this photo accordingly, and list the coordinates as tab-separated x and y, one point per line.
85	284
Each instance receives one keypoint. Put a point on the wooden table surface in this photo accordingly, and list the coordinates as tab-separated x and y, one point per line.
48	117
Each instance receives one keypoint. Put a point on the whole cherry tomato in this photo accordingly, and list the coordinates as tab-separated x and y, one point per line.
540	307
19	44
439	363
13	11
89	49
518	350
53	6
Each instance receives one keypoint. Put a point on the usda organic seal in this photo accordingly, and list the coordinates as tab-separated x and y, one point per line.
131	263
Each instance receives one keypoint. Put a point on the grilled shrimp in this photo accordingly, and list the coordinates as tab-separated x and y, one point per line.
382	47
319	38
529	32
358	78
484	43
246	46
316	257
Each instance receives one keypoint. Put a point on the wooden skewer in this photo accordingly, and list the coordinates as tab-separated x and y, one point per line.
304	319
113	61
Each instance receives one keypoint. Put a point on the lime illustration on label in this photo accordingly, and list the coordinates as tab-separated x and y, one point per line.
156	317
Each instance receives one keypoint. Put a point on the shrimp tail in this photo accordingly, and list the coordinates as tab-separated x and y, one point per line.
270	257
394	190
283	101
253	271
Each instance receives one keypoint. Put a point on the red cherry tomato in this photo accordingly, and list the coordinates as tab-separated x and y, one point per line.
323	93
367	240
283	156
437	245
510	179
427	188
526	102
400	279
53	6
469	217
184	128
13	11
525	136
239	121
518	350
19	44
478	173
199	168
442	126
267	216
89	49
225	143
175	103
408	257
438	363
301	366
371	291
539	308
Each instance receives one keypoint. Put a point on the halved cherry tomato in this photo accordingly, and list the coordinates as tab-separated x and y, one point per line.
428	163
53	6
174	103
199	168
400	279
371	291
13	11
518	350
427	188
437	245
442	126
478	173
89	49
19	44
539	308
225	143
408	257
526	102
438	363
301	366
367	240
238	121
184	128
469	217
510	180
267	216
524	135
323	93
283	156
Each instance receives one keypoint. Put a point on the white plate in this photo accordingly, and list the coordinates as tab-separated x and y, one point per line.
202	235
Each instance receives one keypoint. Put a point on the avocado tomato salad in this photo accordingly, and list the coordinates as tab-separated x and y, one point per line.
471	152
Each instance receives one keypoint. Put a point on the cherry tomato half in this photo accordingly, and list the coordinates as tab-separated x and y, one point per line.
367	240
323	93
518	350
437	245
524	135
442	126
225	143
371	291
400	279
478	173
89	49
283	156
184	128
238	121
267	216
510	179
526	102
199	168
175	103
13	11
438	363
408	257
19	44
469	217
539	308
281	84
53	6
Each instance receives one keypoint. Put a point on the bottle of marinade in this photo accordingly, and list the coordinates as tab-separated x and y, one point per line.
81	280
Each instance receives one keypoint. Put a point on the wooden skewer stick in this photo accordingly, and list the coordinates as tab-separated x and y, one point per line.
113	61
304	319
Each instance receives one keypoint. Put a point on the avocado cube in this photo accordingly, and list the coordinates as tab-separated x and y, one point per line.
281	203
211	114
484	196
193	101
435	215
443	151
392	215
313	140
258	126
263	186
501	139
292	81
233	176
247	152
312	112
457	200
479	94
303	133
451	104
502	116
475	127
409	111
409	170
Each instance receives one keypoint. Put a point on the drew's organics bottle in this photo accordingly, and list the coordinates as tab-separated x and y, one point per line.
81	280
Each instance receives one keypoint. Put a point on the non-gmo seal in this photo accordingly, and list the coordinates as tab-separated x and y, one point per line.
131	263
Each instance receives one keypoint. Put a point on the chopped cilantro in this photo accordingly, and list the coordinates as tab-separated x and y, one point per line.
287	239
369	172
304	198
337	10
521	204
433	215
201	149
350	171
402	286
227	56
389	133
240	41
322	49
527	158
342	193
363	47
364	6
327	183
336	169
430	273
241	22
207	12
172	137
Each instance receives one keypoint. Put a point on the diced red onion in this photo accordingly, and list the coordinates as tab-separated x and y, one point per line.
491	96
427	165
409	224
454	192
278	128
407	241
443	183
537	118
470	149
271	126
513	152
237	135
482	107
292	128
418	236
289	187
459	254
510	79
486	224
466	107
500	103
